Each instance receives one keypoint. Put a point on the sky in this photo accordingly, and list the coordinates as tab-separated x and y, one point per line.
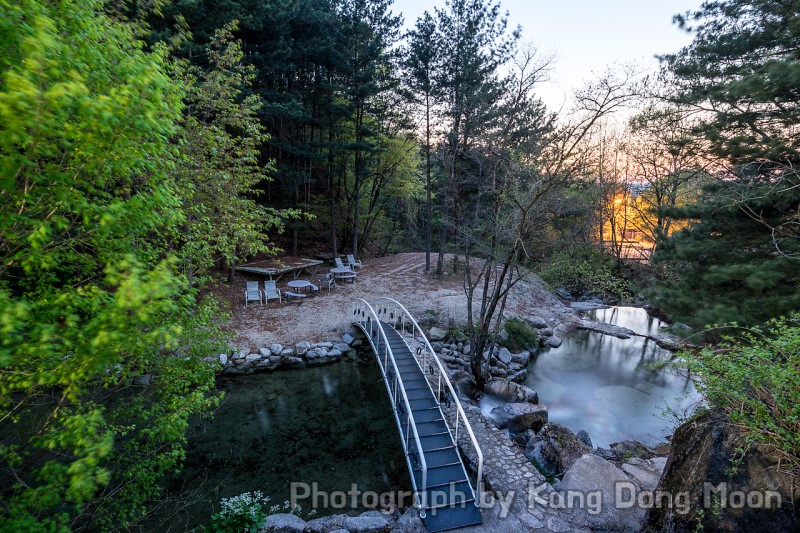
586	36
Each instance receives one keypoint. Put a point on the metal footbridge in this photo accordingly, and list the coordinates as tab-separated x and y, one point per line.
418	386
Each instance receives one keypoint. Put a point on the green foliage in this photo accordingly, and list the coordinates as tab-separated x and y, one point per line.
90	294
755	378
584	272
219	168
725	266
521	335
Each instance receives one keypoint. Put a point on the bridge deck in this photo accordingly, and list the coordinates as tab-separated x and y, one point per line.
448	498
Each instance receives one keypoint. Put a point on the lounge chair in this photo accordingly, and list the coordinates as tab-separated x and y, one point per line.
271	291
338	261
354	262
252	294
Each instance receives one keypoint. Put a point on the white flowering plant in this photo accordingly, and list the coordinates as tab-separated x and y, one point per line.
246	513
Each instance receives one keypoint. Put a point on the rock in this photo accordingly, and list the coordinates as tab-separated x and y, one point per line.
313	353
326	345
356	343
518	417
144	379
505	356
607	329
326	524
283	523
410	522
334	353
552	342
342	347
510	391
437	346
466	349
223	359
646	478
241	354
437	334
592	473
584	438
588	306
501	365
233	371
545	332
537	322
253	358
631	448
564	294
266	366
348	339
463	383
519	376
287	352
264	352
555	448
301	348
292	362
275	359
275	348
521	358
700	458
367	524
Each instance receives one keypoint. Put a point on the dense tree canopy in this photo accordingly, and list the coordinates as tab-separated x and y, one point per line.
741	74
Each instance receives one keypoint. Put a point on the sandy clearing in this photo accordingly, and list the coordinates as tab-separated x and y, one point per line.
401	277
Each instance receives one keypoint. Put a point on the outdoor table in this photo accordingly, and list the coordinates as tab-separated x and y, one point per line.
343	273
300	284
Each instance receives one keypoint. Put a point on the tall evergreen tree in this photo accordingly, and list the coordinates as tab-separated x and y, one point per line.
742	71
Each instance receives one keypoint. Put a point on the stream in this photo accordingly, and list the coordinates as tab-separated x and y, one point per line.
609	386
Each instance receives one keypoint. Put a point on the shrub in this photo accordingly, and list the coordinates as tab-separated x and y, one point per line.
521	335
584	272
246	512
755	378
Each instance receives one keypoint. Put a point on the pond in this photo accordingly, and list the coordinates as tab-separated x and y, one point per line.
609	386
330	425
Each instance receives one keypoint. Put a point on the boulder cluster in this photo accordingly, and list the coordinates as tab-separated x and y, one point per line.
279	357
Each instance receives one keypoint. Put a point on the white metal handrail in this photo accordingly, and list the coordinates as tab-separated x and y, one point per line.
443	379
359	308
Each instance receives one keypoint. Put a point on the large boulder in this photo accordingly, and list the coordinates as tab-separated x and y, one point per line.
510	391
555	449
518	417
463	383
521	358
743	496
591	474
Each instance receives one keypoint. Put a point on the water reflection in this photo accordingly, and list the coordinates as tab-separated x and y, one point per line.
329	425
609	386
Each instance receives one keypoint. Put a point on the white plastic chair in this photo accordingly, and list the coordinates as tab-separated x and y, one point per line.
252	294
354	262
338	261
271	291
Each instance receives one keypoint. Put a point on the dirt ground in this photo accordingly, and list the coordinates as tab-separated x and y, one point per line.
402	277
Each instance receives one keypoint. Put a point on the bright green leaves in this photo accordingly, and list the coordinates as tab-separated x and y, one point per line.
755	380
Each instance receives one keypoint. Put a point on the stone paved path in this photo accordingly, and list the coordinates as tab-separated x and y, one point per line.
514	482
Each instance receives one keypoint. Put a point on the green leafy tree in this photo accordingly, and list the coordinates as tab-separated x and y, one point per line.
101	345
219	168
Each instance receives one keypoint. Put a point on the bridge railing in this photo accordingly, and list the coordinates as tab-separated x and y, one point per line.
394	312
365	314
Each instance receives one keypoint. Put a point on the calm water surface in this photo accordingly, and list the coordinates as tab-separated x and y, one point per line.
329	425
608	386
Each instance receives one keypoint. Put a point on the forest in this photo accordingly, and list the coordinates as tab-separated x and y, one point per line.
144	144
